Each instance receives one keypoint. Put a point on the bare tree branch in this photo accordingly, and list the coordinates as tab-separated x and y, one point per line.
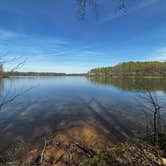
12	98
6	59
151	100
19	65
95	5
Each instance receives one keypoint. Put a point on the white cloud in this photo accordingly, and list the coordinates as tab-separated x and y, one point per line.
160	55
21	38
44	53
6	34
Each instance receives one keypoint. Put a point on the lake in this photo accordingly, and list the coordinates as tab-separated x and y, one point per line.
95	111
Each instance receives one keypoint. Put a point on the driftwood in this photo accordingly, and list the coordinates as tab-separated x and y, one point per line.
59	159
89	152
43	151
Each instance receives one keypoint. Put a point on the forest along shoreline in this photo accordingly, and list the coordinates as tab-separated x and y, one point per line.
151	69
132	69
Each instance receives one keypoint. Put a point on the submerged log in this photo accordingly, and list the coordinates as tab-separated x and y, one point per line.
89	152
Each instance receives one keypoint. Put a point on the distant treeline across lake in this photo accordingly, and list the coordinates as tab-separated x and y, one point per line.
126	69
7	74
130	69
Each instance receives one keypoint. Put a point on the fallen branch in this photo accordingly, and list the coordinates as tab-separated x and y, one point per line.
89	152
43	151
59	159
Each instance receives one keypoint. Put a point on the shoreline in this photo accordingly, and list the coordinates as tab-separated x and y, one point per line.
86	75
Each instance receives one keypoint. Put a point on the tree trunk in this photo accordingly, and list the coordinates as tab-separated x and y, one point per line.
155	129
156	126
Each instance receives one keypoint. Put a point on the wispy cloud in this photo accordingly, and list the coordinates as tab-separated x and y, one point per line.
16	43
50	53
6	34
160	55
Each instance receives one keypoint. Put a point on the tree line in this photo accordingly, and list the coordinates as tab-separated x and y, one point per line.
132	69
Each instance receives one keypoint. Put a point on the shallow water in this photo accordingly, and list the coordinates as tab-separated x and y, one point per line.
94	111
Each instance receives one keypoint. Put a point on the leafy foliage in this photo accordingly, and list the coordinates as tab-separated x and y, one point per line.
132	69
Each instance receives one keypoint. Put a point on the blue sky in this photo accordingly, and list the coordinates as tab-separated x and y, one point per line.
48	34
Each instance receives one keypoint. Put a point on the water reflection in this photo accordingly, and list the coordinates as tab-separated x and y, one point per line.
1	85
73	109
132	84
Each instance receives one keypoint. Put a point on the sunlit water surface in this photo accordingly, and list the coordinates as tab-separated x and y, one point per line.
93	111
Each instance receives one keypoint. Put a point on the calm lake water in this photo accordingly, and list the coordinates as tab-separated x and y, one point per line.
93	111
